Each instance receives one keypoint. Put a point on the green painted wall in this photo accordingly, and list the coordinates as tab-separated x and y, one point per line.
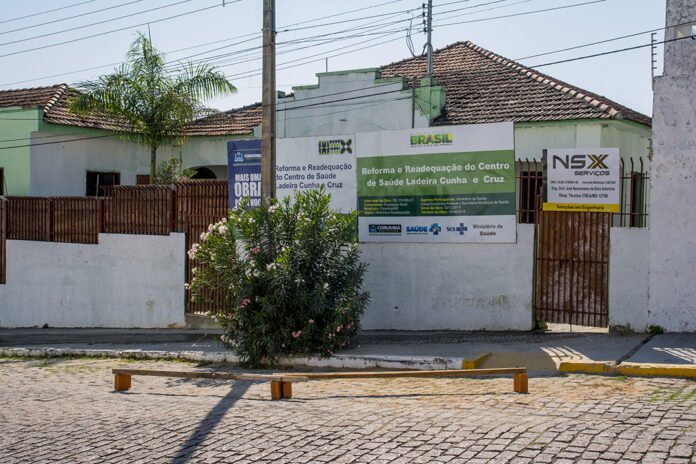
531	138
16	125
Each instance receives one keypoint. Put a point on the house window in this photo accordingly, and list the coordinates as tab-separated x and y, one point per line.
97	180
142	179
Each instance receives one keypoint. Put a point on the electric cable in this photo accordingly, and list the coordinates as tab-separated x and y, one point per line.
520	14
45	11
48	34
113	30
610	52
69	17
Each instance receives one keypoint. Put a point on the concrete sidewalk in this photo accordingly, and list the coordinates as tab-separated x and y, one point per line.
541	353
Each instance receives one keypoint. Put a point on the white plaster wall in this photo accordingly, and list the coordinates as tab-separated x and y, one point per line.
369	108
628	278
467	286
124	281
672	266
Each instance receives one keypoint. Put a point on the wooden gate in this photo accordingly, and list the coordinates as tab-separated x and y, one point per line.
195	226
3	240
572	268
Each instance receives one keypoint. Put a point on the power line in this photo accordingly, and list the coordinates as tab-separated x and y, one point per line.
312	59
255	35
45	11
69	17
114	30
60	141
593	43
485	9
610	52
97	23
520	14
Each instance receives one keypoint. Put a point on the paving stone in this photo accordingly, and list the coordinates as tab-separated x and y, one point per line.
66	411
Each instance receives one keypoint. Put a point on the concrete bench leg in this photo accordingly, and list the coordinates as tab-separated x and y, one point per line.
122	382
520	383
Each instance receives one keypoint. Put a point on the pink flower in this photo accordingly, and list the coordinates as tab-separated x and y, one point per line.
338	329
296	334
245	302
311	321
282	345
255	250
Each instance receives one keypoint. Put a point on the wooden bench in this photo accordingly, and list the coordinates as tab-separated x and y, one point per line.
281	384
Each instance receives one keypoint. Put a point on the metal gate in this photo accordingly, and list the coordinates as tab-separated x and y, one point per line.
572	268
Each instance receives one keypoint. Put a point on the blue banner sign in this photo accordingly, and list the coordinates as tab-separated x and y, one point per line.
244	171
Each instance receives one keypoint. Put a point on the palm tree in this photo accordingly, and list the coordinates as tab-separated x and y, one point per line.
146	103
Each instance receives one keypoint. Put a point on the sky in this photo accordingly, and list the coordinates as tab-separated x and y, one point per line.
83	39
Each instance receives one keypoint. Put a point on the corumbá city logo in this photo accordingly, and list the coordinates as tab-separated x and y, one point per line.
431	139
335	147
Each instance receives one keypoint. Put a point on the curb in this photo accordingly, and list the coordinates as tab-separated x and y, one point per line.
335	362
629	369
472	362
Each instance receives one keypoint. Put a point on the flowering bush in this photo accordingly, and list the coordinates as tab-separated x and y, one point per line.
290	275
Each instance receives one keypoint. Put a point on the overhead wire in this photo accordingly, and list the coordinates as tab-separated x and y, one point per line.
255	34
45	12
114	30
104	21
519	14
610	52
70	17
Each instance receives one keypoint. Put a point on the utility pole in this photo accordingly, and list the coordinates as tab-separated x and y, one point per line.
268	102
429	44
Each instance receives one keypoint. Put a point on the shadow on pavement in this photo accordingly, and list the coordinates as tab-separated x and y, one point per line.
198	436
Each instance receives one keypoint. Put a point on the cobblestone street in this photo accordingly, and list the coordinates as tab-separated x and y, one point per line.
66	411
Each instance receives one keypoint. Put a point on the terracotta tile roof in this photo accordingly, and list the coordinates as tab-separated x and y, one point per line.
481	87
31	98
236	122
484	87
241	121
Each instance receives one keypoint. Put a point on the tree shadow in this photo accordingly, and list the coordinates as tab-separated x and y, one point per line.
209	422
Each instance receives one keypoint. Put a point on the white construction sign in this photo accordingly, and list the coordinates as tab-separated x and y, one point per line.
578	179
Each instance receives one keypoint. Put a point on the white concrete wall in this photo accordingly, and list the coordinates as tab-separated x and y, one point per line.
673	182
124	281
628	278
467	286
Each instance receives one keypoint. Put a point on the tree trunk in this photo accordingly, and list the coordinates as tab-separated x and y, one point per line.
153	163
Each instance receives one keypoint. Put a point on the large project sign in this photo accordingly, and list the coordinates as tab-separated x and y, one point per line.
449	184
580	179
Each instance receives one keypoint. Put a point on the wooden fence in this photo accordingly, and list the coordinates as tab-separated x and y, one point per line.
139	209
75	219
188	207
200	198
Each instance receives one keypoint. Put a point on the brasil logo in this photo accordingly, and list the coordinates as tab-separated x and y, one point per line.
431	139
